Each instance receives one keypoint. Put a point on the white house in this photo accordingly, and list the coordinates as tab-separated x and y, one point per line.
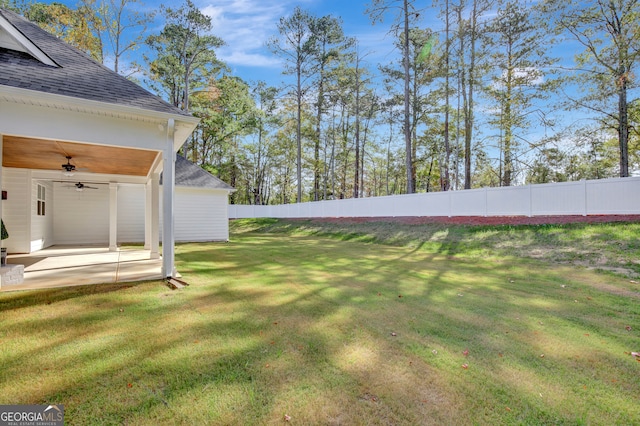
89	157
82	217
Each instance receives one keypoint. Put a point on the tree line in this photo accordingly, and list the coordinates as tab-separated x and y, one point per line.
484	97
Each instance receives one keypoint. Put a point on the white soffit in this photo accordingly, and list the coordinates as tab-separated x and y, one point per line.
50	100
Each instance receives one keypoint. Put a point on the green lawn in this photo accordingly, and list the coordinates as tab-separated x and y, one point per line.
456	326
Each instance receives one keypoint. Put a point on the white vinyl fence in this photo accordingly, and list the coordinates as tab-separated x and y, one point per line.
591	197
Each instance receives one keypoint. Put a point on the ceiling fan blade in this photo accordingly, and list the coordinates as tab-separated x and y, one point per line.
79	186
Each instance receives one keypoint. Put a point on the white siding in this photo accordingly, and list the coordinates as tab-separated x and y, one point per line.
74	217
200	215
16	212
131	202
81	217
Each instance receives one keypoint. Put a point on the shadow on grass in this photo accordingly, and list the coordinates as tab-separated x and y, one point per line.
612	247
30	298
274	324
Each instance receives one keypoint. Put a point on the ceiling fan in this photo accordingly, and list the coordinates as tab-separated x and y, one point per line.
68	167
80	186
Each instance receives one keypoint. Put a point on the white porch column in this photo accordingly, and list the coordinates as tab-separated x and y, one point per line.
0	173
0	178
113	216
168	185
147	215
152	219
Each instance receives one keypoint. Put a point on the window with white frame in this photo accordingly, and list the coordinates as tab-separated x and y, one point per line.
41	200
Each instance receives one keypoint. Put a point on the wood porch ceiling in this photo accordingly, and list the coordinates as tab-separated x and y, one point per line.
43	154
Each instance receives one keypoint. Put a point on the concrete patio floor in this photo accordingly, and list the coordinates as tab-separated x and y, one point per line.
63	266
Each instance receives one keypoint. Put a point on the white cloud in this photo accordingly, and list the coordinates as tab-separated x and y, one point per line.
529	76
251	59
245	26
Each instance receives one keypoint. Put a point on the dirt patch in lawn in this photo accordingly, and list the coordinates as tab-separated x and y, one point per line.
631	289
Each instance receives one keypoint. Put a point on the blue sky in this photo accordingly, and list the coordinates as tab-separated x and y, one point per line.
245	25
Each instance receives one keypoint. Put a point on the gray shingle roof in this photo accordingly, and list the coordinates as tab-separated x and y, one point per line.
188	174
77	75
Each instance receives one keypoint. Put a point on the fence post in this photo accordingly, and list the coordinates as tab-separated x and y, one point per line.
585	197
486	201
530	200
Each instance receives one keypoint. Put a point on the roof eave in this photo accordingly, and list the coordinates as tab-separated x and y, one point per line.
26	44
183	131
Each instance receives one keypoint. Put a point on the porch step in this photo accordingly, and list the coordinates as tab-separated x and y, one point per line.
11	275
175	283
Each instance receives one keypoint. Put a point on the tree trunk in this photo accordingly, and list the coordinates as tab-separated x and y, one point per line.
299	133
185	100
469	116
508	140
364	142
407	79
316	150
447	150
356	186
623	130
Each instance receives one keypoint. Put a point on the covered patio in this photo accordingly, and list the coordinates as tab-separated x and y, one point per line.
64	266
67	122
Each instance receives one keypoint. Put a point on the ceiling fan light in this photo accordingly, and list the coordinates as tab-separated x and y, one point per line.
79	189
68	168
